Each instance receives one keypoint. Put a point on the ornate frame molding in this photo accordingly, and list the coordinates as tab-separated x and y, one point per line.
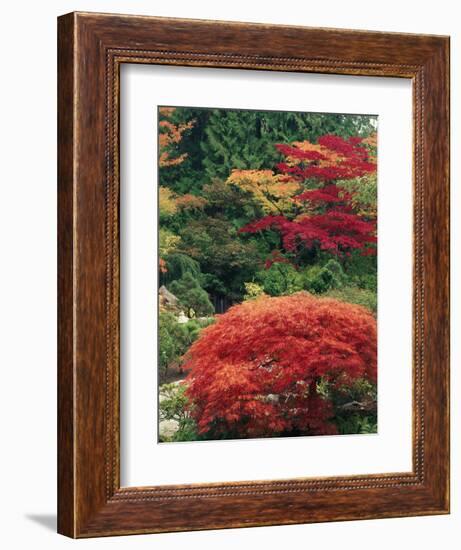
91	50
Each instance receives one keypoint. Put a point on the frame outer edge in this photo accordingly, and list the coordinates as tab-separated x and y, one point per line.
85	507
66	484
437	315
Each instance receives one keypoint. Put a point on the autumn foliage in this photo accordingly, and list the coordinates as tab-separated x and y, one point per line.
257	370
169	136
267	252
331	158
325	216
271	191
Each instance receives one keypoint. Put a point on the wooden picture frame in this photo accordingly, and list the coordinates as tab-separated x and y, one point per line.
92	48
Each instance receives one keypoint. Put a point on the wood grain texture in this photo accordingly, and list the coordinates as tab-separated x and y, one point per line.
66	471
91	49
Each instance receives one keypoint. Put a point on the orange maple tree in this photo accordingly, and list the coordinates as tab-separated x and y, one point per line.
256	371
169	136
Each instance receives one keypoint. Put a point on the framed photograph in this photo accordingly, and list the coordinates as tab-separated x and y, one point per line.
253	275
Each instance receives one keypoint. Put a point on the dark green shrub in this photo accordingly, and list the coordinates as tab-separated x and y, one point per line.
173	405
354	406
178	265
191	296
169	346
355	295
318	279
356	424
176	338
281	280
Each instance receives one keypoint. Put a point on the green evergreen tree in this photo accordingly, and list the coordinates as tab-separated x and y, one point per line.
223	139
177	266
192	296
245	139
233	140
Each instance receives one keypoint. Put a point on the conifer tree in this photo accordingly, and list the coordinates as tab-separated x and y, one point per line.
192	296
244	139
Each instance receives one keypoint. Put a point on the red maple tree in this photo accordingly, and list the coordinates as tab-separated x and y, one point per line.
255	372
331	158
327	219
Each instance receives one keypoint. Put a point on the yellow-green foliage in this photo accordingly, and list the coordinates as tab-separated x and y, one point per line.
168	242
355	295
252	290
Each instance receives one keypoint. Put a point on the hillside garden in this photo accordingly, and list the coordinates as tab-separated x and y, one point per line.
267	274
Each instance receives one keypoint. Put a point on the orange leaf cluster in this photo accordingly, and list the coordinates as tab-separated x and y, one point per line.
371	140
169	137
325	156
191	202
166	111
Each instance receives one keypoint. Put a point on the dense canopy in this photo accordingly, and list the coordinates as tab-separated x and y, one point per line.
255	371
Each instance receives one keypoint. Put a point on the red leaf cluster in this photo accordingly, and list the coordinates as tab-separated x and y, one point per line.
254	373
335	231
332	158
328	195
276	257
